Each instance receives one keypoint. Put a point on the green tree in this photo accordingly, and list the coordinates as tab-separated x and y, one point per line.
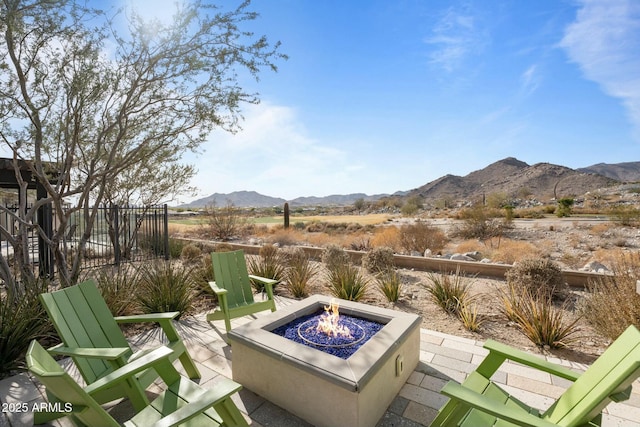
564	206
98	105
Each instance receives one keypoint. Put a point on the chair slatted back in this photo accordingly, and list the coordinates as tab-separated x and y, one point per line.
611	373
230	271
83	319
62	387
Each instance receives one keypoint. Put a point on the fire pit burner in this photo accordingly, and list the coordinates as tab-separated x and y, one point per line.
308	332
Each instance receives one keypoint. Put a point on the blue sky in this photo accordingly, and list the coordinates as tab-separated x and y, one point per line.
379	96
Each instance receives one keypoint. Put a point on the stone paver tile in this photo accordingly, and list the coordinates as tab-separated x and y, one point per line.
200	353
465	346
389	419
207	375
423	396
561	382
535	400
270	415
613	421
247	401
430	338
449	363
538	387
420	413
426	356
626	412
526	372
433	383
448	352
4	421
18	389
415	378
452	337
398	405
443	373
221	365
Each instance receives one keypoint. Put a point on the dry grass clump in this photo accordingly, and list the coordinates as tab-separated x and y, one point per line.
420	236
388	236
512	251
614	303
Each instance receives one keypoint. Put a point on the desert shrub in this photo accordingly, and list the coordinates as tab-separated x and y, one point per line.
118	287
224	223
387	236
175	248
480	223
223	247
361	243
346	281
538	276
628	216
449	291
284	237
468	315
389	283
203	274
165	287
378	259
190	253
420	236
537	317
613	303
334	255
269	264
22	319
299	272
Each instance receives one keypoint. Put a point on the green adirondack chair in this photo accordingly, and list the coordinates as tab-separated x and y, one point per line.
478	401
233	288
91	336
182	403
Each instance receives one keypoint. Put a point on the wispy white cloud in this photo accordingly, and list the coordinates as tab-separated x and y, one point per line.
530	80
604	41
454	38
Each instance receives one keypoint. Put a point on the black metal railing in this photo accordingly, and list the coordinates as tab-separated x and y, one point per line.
119	234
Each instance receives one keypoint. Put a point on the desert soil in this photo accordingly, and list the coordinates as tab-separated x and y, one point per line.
568	239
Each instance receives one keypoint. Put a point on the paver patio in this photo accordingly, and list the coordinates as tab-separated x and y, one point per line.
442	358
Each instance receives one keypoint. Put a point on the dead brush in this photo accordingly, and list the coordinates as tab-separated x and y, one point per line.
613	303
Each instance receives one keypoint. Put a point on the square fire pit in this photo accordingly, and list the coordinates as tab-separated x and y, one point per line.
320	388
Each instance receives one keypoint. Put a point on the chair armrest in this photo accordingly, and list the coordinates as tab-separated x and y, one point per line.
153	317
145	362
112	353
530	360
223	390
263	280
216	290
512	414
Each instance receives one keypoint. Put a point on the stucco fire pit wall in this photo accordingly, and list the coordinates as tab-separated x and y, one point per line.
320	388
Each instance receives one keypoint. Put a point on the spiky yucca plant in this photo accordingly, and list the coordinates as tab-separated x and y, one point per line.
346	281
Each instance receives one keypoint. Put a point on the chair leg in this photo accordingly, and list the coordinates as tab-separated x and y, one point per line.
189	366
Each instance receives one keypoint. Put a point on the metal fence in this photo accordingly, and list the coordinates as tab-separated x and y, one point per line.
119	234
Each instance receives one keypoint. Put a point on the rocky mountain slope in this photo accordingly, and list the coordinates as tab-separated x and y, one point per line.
515	179
624	172
509	176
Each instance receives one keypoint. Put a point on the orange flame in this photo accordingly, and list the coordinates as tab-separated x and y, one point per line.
328	322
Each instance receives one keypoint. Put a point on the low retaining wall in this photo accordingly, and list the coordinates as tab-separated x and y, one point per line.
497	271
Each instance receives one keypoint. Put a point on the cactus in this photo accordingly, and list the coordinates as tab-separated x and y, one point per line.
286	215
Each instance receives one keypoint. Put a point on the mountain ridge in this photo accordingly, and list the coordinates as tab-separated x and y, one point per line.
509	176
